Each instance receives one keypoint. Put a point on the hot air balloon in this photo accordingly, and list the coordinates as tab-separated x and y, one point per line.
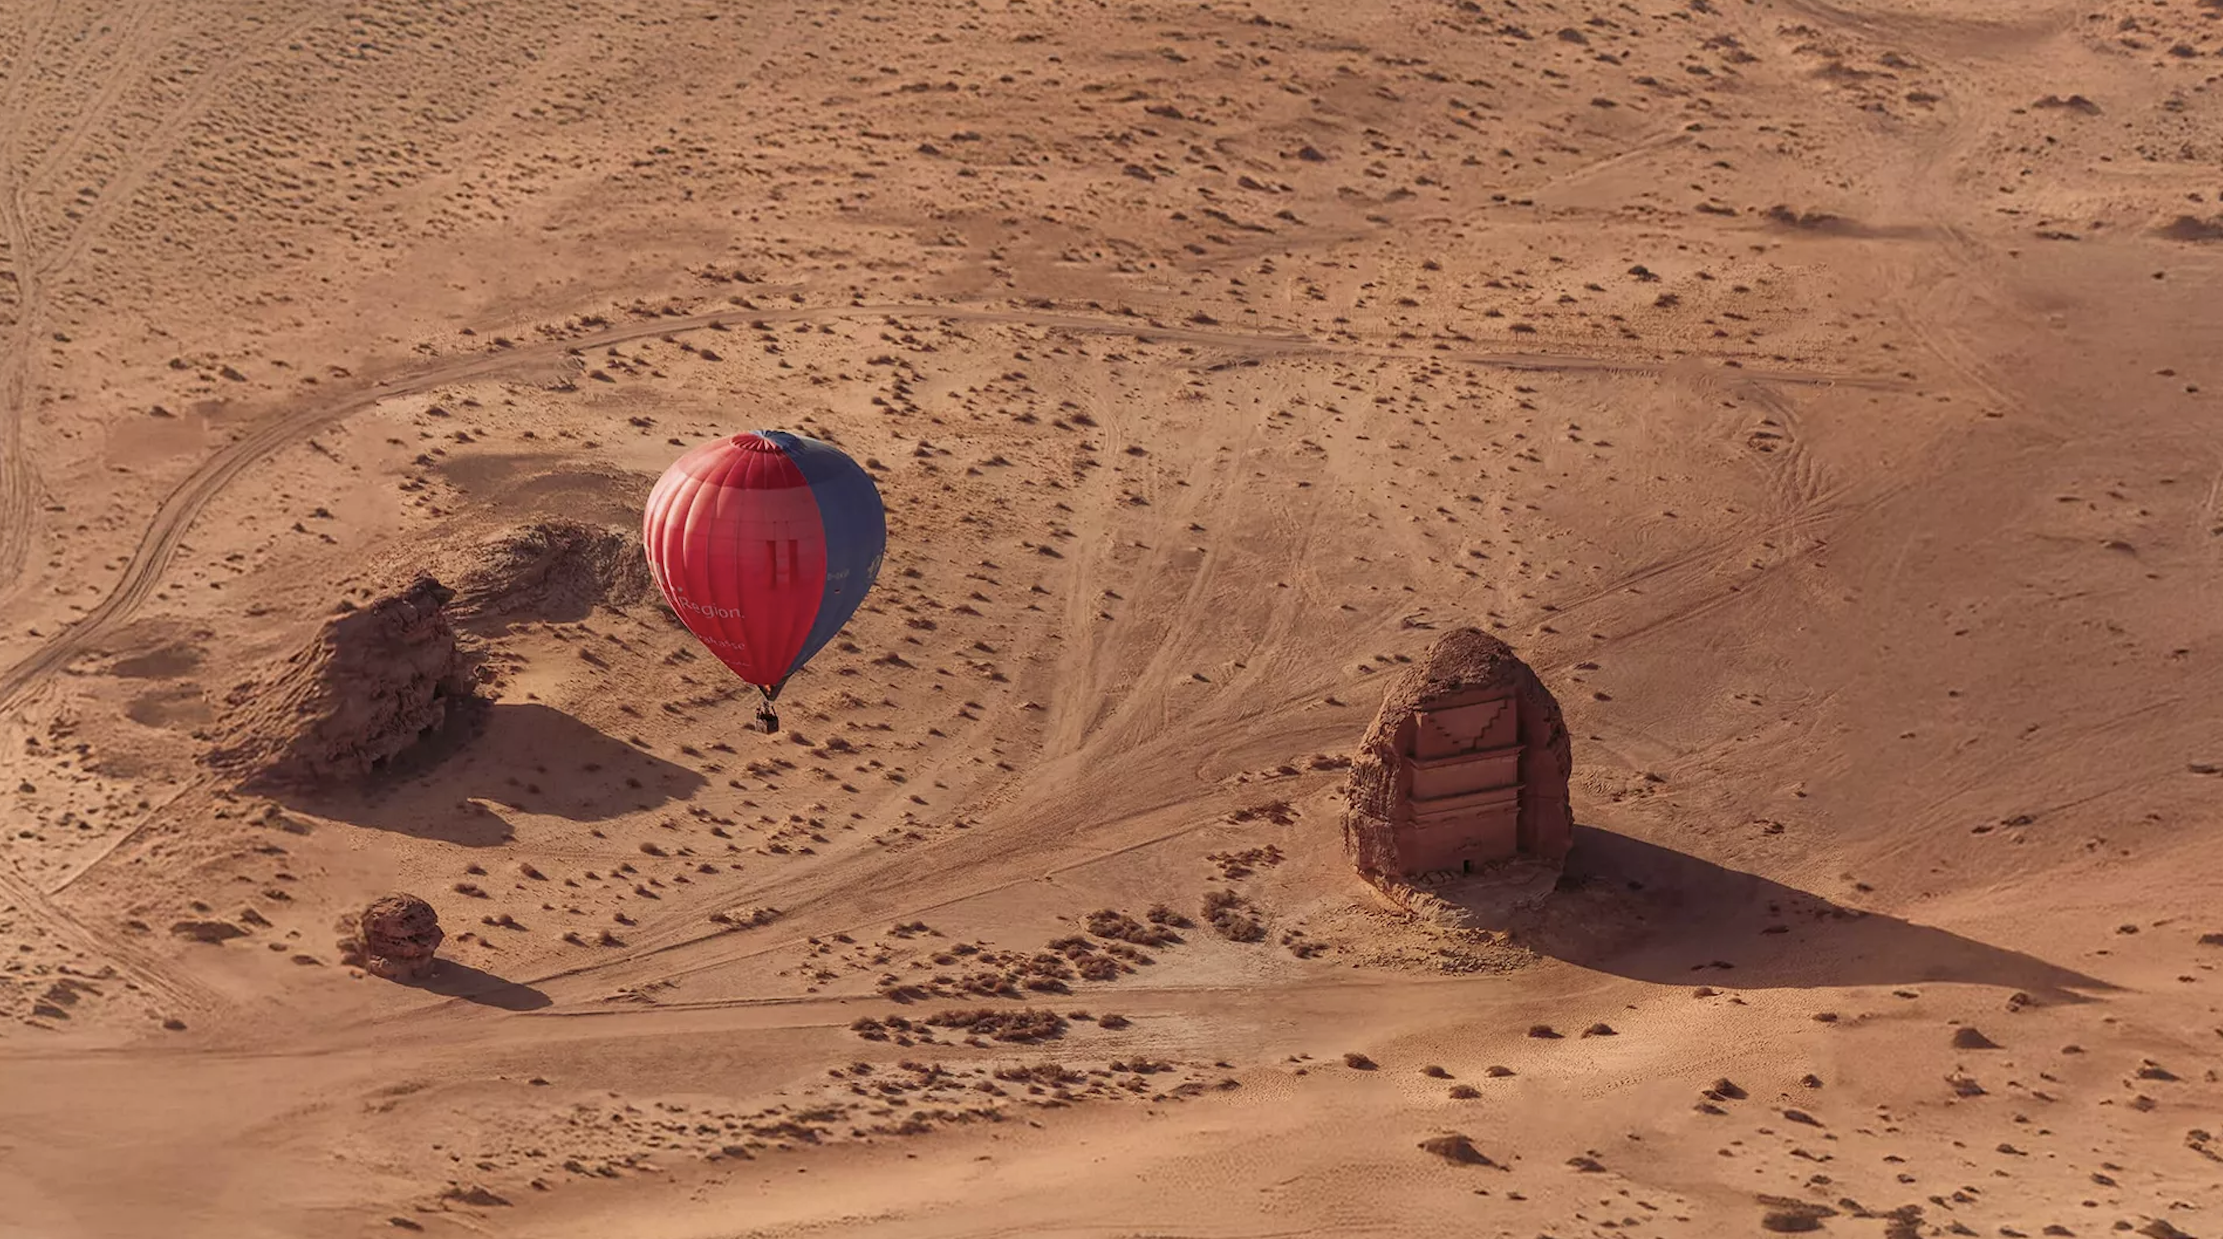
764	543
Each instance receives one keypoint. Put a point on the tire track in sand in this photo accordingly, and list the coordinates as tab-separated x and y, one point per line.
186	501
16	349
119	68
17	262
31	269
148	156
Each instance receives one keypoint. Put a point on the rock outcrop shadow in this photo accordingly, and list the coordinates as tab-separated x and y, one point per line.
456	980
497	756
1635	909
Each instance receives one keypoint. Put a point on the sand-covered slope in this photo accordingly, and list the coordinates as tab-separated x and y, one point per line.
1821	398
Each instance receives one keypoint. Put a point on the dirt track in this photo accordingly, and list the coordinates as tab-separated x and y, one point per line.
184	505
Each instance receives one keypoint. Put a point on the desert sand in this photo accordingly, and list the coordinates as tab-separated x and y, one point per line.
1822	397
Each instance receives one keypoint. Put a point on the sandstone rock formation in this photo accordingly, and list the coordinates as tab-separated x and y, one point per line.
373	682
1466	766
397	937
551	570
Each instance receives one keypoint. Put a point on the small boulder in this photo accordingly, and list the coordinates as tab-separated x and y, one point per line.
397	937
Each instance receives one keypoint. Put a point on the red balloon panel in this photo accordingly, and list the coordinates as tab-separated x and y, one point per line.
734	536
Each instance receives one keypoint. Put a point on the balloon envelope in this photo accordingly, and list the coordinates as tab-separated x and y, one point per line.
764	543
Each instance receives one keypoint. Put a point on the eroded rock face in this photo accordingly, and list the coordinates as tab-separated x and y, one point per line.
373	682
549	570
398	936
1465	766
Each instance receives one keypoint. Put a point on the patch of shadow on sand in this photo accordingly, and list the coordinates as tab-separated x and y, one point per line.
456	980
2191	228
521	756
1635	909
167	663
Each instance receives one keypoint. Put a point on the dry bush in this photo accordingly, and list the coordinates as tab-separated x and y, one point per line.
1047	1074
1120	927
1242	864
1279	812
902	991
1027	1024
1233	916
1091	964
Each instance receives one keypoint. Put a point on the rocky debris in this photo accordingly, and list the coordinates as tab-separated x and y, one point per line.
745	919
373	682
57	1000
1457	1149
550	570
395	938
1459	685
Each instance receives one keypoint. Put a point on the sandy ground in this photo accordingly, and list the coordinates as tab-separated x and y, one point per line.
1823	397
